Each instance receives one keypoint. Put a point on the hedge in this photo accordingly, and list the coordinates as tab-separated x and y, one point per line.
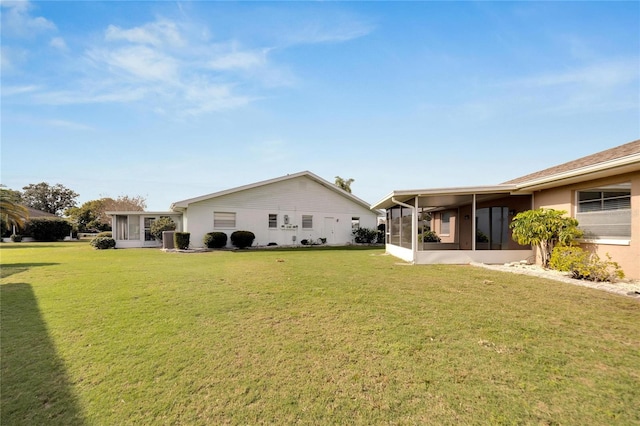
47	229
215	240
242	239
181	240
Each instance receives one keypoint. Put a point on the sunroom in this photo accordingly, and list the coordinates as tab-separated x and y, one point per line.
132	229
455	225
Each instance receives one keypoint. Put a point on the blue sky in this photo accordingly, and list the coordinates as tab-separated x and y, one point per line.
172	100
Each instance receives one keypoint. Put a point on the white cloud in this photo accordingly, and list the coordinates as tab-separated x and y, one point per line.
59	43
240	60
607	74
17	20
159	33
68	125
18	90
142	62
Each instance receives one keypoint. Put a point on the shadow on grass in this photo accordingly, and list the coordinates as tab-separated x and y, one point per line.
309	248
8	269
35	387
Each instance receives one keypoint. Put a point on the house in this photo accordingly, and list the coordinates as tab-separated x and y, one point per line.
281	211
602	191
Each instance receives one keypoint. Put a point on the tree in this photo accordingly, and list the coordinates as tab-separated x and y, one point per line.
344	183
544	228
52	199
88	217
11	212
159	226
92	214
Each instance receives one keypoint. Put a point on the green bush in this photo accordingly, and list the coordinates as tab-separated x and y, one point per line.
47	229
181	240
16	238
584	265
160	225
242	239
103	243
365	235
105	234
429	237
215	239
381	233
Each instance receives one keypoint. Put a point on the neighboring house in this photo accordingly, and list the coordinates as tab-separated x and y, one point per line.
602	191
282	211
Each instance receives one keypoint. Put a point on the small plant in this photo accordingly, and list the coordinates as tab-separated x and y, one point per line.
161	225
584	265
304	242
181	240
103	243
481	237
215	240
105	234
16	238
430	237
242	239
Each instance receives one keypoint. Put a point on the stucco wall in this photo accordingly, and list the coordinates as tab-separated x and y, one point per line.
332	213
563	198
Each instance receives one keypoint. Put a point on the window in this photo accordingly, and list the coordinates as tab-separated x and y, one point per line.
445	223
224	220
127	227
355	223
605	212
273	220
307	221
148	221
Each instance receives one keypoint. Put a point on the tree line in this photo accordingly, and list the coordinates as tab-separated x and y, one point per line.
61	201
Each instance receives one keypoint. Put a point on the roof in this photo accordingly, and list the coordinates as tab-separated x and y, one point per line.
440	197
181	205
34	213
610	159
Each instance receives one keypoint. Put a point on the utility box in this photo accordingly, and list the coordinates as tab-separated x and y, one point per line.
167	240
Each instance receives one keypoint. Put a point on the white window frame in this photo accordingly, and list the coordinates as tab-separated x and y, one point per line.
307	221
611	214
224	220
273	221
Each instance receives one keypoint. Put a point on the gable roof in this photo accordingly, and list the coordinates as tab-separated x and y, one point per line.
182	205
601	164
34	213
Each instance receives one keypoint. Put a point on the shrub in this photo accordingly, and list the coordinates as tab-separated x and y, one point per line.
365	235
181	240
584	265
47	229
105	234
242	239
430	237
16	238
215	240
381	233
160	225
304	242
103	243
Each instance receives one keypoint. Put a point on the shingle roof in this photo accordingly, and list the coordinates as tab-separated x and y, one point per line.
621	151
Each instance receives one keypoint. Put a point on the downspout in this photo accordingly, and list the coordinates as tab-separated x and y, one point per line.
414	227
473	223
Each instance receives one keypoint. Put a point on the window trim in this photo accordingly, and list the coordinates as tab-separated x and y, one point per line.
222	224
309	218
273	221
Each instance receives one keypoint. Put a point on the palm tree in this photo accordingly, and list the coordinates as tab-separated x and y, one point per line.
13	214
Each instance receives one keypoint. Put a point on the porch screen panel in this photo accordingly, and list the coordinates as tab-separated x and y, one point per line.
134	227
406	228
394	226
121	228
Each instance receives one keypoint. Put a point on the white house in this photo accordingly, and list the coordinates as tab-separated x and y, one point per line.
282	211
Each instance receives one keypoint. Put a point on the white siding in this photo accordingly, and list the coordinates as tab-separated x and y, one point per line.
295	197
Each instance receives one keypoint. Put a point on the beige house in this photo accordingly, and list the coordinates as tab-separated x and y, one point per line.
601	190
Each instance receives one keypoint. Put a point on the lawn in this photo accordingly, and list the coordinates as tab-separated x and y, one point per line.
307	336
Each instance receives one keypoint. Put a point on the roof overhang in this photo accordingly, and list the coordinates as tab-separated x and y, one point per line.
619	166
445	197
142	213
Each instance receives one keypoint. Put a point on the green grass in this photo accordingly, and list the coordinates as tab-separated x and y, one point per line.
304	336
